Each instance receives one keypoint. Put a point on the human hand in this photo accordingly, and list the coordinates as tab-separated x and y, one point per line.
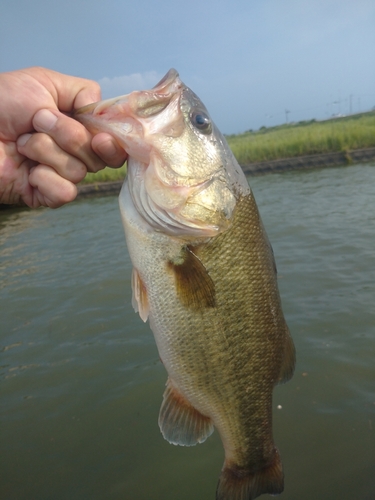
43	152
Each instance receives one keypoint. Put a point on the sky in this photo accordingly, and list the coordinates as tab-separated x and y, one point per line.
252	62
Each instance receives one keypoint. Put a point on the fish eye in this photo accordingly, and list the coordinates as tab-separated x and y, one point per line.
201	121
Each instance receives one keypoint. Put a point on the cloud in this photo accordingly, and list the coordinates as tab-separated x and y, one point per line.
119	85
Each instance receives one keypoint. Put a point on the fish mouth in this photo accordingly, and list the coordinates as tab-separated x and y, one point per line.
138	104
167	80
132	117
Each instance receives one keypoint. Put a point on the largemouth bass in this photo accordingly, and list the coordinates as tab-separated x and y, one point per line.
204	276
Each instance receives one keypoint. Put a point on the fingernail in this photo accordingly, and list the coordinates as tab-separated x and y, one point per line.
44	120
22	140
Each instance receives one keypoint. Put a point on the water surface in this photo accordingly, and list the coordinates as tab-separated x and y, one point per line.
80	378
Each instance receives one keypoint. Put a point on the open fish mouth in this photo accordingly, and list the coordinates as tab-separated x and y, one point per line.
143	104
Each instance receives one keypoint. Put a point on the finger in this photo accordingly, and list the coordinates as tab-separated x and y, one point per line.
69	135
109	150
89	92
50	189
43	149
68	91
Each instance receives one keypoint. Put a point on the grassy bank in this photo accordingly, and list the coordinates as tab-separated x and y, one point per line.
106	175
287	141
304	138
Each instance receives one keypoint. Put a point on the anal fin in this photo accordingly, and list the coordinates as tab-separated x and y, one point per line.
194	285
139	298
179	422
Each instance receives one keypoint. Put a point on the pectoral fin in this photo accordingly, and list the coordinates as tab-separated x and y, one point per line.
139	298
194	285
179	422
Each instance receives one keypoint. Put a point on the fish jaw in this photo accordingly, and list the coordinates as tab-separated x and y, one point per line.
131	118
115	117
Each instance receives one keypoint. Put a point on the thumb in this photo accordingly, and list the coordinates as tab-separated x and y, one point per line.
87	94
70	92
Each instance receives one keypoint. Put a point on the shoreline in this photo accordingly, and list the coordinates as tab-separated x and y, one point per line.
322	160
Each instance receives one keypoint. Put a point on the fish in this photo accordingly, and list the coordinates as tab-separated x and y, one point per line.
205	278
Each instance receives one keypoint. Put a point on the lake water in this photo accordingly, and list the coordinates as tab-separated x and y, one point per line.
80	378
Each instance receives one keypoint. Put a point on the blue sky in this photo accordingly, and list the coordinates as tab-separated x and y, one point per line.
248	60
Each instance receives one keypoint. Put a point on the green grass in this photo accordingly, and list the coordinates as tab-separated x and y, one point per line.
286	141
304	138
106	175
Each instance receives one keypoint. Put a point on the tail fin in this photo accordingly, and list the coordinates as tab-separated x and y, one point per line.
240	484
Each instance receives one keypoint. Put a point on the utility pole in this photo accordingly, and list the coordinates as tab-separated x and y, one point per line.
350	103
286	115
338	107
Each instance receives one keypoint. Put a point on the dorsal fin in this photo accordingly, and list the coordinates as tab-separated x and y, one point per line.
194	285
179	422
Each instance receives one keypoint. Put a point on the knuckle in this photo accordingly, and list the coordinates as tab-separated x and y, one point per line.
77	172
54	191
37	146
66	195
73	137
